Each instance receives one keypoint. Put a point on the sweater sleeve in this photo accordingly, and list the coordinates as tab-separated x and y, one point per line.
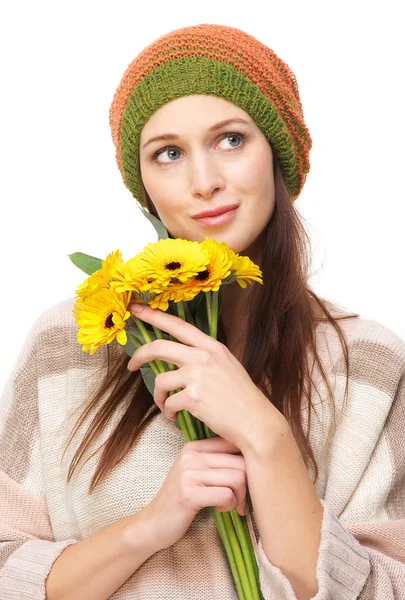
27	545
363	560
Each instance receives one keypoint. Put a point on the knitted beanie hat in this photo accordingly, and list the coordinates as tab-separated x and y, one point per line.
216	60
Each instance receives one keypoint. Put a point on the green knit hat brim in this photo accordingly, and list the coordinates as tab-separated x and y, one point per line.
192	75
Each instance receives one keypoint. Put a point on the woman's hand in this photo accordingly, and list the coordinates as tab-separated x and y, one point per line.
216	388
206	473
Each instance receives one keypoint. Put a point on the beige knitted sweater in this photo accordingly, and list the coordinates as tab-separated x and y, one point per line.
361	481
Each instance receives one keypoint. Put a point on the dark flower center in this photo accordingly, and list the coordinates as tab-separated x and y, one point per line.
202	275
109	322
173	266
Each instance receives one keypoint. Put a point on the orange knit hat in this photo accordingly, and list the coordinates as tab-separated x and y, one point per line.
215	60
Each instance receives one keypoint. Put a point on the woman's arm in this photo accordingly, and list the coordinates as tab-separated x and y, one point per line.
288	511
32	562
363	558
96	567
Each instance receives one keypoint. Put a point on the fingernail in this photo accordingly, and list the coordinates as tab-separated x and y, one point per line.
137	308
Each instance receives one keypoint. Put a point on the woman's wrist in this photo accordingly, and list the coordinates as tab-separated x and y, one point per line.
266	435
139	534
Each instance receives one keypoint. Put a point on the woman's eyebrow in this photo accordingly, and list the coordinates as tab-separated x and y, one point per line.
173	136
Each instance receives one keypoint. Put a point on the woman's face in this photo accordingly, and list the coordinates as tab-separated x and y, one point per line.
199	168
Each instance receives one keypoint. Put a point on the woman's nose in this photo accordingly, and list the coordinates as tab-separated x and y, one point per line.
205	175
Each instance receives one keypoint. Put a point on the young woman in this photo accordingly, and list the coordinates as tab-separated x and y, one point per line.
101	497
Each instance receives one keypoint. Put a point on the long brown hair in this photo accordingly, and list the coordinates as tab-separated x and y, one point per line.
280	338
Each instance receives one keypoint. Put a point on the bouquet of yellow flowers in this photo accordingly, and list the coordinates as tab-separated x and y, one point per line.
184	278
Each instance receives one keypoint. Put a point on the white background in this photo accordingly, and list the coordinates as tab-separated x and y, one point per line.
61	190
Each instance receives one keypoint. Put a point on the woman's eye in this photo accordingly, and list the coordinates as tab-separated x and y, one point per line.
171	150
233	135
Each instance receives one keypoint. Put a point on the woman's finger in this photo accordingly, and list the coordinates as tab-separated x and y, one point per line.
214	444
173	352
229	478
185	332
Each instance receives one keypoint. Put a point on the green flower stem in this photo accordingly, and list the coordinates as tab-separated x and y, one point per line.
239	549
188	313
180	310
158	332
200	430
241	565
188	417
184	312
223	533
209	310
160	336
212	311
247	550
207	431
183	426
153	365
147	338
190	423
252	554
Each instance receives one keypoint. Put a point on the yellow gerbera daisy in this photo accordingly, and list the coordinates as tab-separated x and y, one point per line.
217	269
102	319
158	273
128	276
100	279
161	300
244	270
171	261
77	308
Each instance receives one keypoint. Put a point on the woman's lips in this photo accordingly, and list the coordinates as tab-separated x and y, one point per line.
218	219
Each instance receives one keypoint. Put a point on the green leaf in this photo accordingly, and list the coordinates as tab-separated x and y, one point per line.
201	318
195	302
88	264
157	224
149	378
146	370
130	346
172	309
135	331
